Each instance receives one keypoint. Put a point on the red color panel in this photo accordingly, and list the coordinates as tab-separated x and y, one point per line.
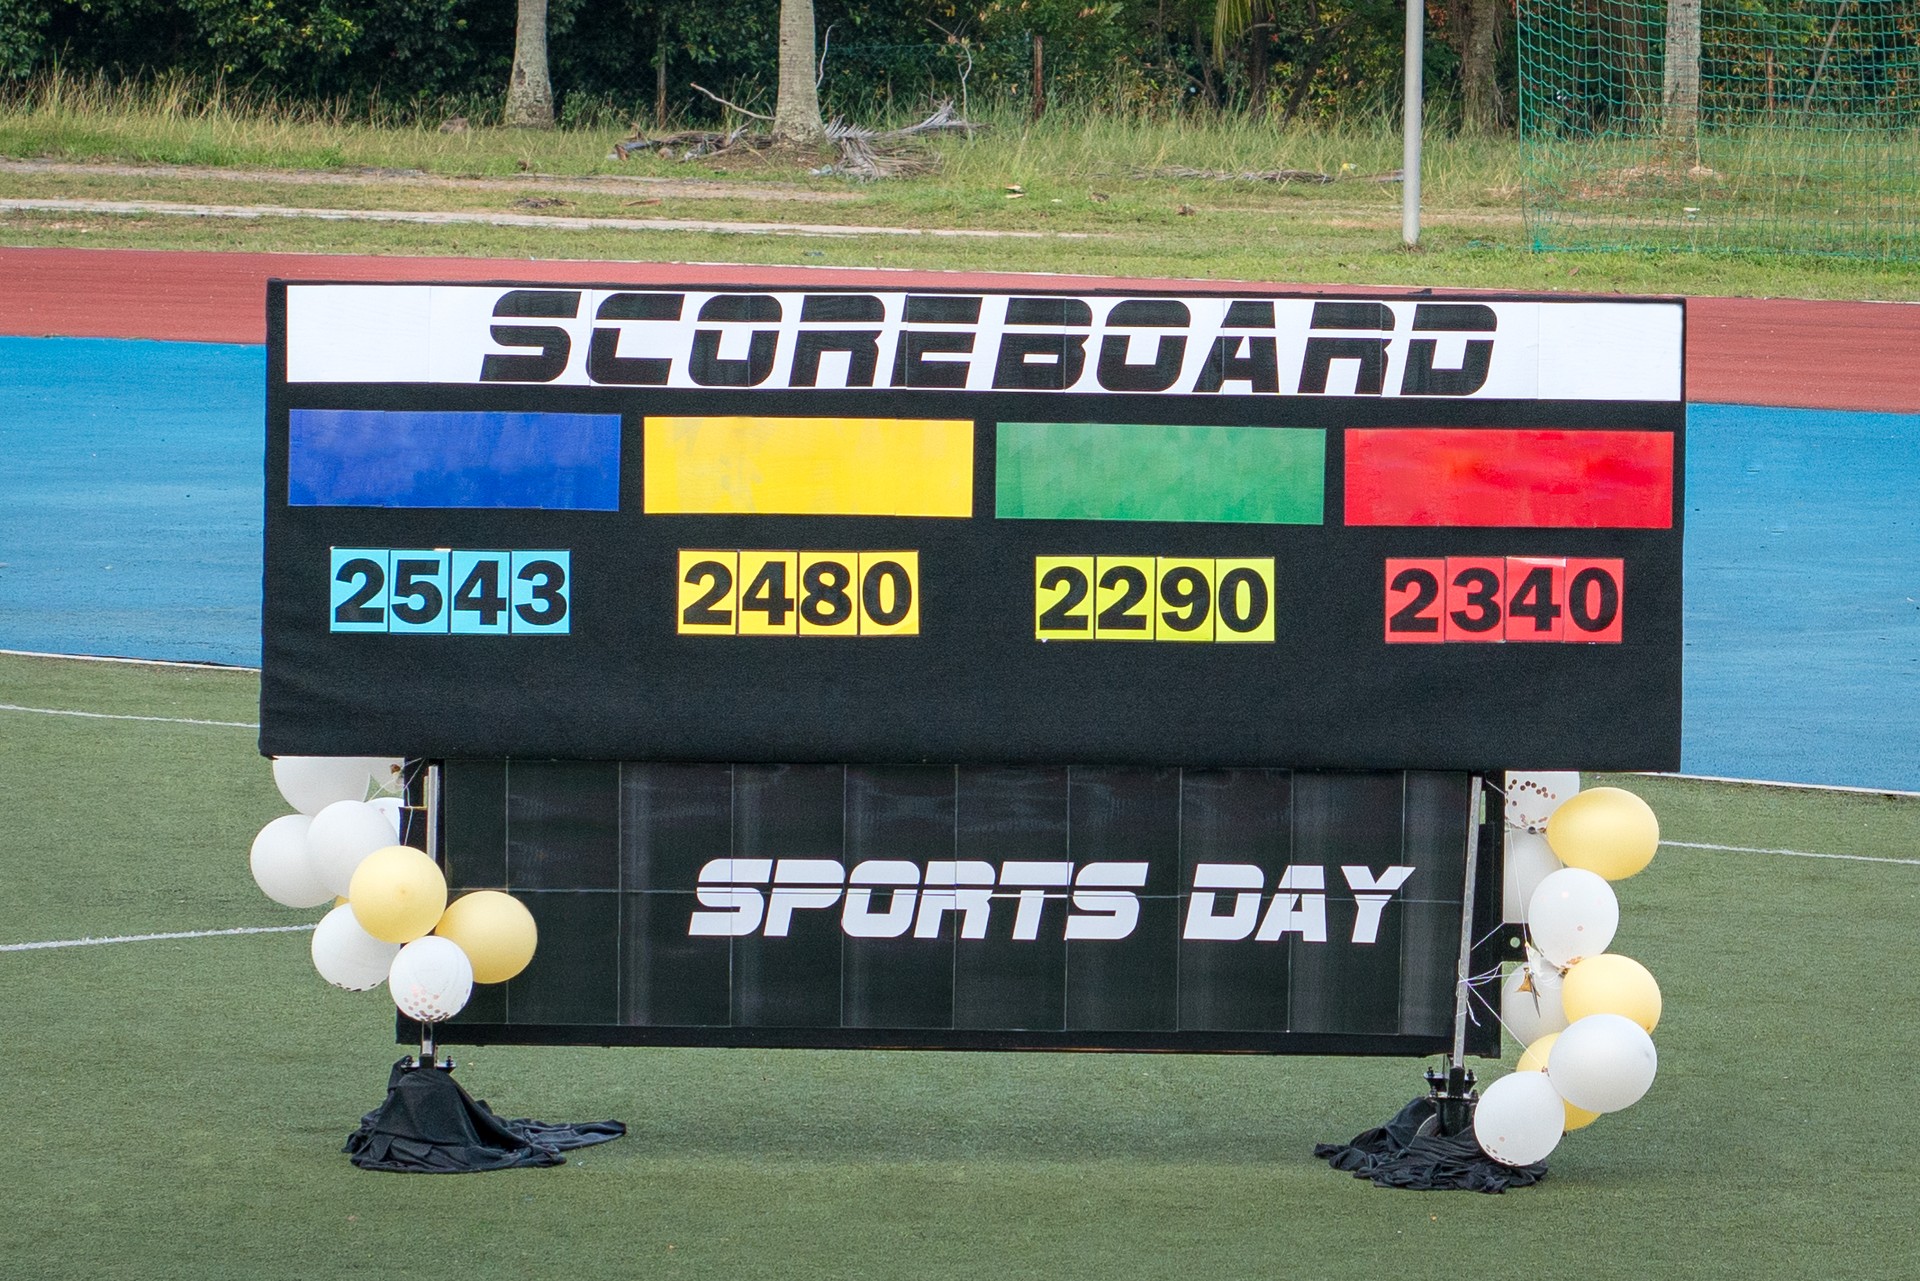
1596	600
1538	479
1476	593
1536	598
1413	601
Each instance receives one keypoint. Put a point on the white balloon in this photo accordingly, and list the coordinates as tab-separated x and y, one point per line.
281	867
1519	1119
311	783
346	955
1573	914
1529	861
342	836
1530	1004
391	807
431	979
1533	797
1603	1063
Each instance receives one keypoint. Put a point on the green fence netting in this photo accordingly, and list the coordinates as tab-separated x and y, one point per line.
1789	126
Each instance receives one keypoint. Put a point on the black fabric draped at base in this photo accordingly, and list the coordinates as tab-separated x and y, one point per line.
429	1125
1398	1155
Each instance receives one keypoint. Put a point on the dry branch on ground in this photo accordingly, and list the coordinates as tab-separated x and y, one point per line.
859	152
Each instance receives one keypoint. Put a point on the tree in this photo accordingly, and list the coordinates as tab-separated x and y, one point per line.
796	111
529	94
1235	18
1680	78
1473	27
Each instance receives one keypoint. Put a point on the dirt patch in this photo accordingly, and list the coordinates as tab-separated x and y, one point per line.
610	184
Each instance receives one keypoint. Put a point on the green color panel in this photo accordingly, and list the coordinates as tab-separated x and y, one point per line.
1119	471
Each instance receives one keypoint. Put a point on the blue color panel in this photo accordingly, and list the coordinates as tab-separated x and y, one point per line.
479	604
130	497
388	458
358	598
417	592
542	593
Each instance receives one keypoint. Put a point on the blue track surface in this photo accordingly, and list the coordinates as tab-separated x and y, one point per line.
1803	596
130	497
131	506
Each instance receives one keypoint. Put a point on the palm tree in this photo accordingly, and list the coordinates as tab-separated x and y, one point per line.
1233	19
529	94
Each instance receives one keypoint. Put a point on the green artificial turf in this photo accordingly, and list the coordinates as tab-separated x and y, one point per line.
178	1106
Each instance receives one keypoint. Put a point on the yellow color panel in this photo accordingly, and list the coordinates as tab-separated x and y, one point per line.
889	593
1063	598
709	593
768	605
829	594
1243	599
809	466
1183	610
1123	598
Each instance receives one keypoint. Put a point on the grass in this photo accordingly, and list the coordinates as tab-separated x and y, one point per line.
180	1105
1077	180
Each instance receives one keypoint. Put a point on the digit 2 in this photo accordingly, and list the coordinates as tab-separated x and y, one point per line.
1413	601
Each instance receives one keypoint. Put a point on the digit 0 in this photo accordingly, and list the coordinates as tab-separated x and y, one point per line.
889	596
1596	600
1243	594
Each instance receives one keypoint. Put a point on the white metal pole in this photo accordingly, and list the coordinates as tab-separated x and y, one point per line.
1410	159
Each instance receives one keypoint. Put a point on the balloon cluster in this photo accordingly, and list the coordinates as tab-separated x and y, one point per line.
1584	1014
391	922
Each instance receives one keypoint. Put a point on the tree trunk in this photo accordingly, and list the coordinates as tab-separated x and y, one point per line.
660	71
1680	77
796	112
1472	28
1259	65
1209	88
529	94
1037	100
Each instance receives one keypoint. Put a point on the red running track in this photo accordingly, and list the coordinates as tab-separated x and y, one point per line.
1754	351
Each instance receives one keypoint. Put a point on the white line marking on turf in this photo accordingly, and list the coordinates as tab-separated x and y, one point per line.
1750	849
142	662
151	938
122	716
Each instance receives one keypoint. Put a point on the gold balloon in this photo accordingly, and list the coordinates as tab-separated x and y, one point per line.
1607	831
1609	984
397	894
495	930
1535	1060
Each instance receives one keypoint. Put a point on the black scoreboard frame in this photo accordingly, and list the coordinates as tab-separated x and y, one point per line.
992	698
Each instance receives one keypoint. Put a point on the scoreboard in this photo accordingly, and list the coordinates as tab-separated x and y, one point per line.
782	640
